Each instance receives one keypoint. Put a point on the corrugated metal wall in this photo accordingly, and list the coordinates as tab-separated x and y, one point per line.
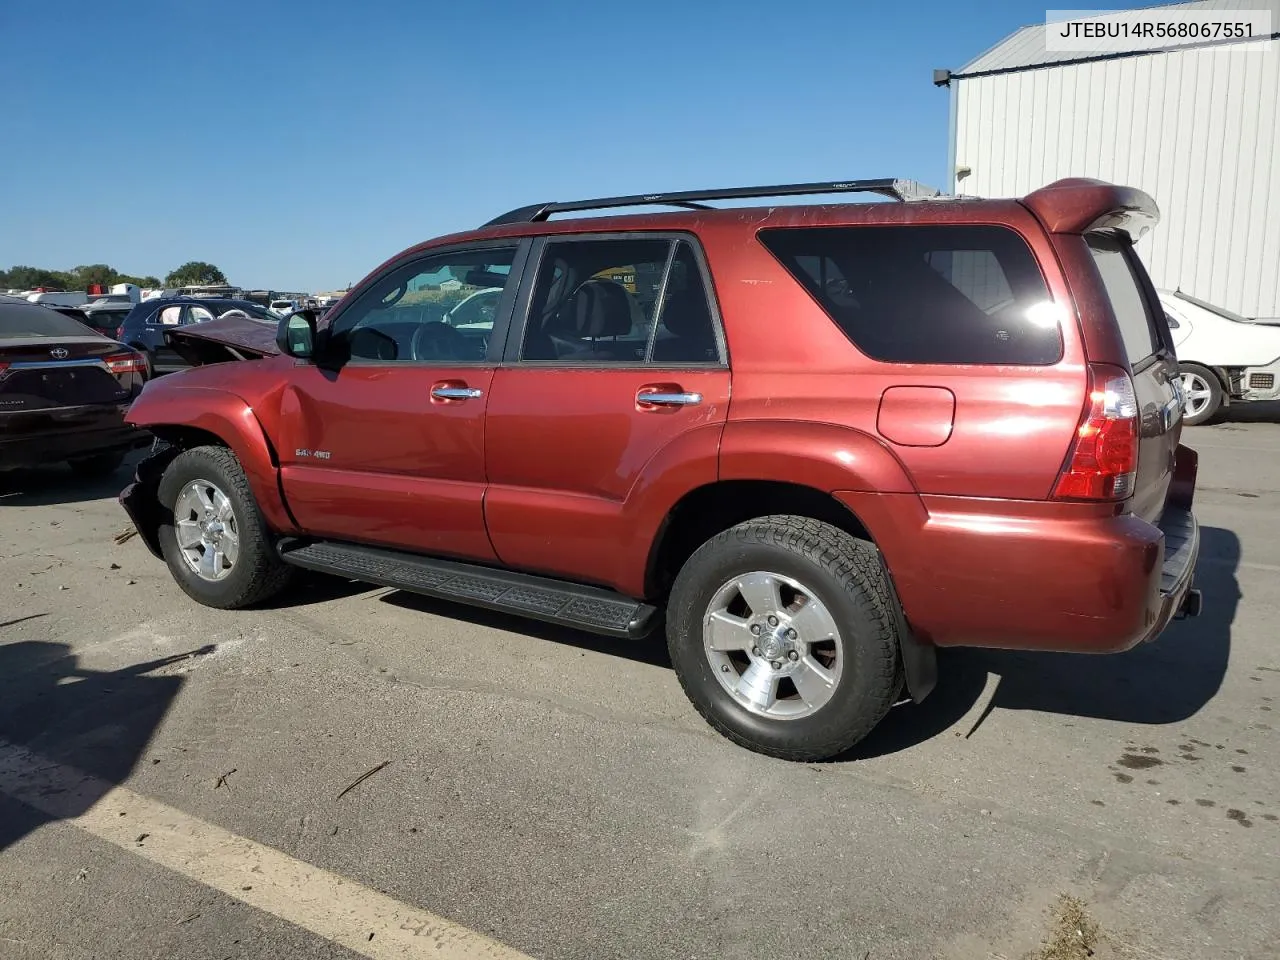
1197	129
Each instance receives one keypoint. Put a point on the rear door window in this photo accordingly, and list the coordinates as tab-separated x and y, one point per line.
927	294
1114	262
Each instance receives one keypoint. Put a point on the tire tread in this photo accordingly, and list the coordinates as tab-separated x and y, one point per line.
855	565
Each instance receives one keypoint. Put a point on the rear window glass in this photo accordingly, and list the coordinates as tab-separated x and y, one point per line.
927	294
18	320
1127	301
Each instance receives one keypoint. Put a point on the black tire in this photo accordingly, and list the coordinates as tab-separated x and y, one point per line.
847	576
1216	395
258	573
97	467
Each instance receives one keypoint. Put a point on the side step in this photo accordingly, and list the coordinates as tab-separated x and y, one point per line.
592	609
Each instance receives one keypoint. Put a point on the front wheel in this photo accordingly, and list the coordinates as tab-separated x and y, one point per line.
1203	392
217	546
784	636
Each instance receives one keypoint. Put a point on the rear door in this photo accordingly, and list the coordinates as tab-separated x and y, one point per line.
163	357
1149	349
619	361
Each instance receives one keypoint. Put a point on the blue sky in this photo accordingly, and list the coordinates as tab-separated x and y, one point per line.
299	144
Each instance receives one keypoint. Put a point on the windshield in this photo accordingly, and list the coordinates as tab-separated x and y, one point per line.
20	320
249	309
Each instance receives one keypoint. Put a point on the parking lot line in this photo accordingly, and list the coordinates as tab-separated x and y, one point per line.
335	908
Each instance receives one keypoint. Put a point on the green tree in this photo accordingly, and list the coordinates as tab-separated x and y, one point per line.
195	272
83	276
25	278
146	282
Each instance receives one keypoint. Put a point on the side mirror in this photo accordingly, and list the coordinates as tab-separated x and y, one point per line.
296	334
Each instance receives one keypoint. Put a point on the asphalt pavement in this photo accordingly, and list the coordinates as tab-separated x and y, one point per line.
361	772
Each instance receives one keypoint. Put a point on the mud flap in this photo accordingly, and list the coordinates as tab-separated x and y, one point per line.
140	498
919	659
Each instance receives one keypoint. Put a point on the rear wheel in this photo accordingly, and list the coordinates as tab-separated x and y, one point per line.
217	545
98	466
1203	392
784	636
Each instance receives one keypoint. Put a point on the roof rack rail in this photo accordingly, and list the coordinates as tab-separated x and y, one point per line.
692	199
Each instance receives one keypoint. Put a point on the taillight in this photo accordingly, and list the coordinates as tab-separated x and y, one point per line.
1103	461
119	363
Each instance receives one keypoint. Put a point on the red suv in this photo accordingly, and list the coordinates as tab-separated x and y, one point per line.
819	441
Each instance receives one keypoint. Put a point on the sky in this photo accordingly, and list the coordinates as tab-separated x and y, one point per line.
297	145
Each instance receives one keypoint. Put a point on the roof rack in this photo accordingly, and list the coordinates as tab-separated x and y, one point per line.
692	199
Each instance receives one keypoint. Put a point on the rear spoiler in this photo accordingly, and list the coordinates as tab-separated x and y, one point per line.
1083	205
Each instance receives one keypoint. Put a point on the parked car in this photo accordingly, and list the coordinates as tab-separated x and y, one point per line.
282	307
64	389
1223	357
145	325
105	317
827	440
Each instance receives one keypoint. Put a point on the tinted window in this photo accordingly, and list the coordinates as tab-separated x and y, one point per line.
620	301
930	294
18	320
437	309
1125	293
686	332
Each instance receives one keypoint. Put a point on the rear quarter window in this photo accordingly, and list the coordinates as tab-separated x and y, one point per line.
1115	262
927	294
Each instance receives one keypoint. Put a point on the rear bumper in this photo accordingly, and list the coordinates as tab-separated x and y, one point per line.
1037	575
33	440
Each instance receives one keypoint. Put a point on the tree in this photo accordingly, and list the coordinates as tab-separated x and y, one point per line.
27	278
195	272
83	277
145	282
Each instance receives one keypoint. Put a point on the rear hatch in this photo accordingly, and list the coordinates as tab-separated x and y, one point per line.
1149	353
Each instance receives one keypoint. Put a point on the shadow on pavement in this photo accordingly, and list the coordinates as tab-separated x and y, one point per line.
1262	411
56	484
652	650
1165	681
99	722
308	588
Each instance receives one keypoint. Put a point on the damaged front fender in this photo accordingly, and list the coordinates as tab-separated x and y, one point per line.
141	500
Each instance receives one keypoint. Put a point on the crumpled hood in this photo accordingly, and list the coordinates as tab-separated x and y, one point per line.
227	338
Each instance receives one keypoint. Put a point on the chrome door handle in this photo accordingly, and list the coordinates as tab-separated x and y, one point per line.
670	399
456	393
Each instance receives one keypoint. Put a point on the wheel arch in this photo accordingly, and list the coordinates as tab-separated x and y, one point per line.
190	417
714	507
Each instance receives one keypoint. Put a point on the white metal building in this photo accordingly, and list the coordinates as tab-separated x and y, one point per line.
1198	128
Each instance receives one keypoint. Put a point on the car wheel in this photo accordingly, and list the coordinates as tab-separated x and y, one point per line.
1203	392
217	546
783	633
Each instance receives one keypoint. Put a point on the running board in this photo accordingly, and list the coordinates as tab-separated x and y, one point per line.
592	609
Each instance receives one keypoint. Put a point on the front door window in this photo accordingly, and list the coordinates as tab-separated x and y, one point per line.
435	310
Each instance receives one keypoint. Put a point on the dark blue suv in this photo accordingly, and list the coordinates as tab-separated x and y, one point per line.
144	327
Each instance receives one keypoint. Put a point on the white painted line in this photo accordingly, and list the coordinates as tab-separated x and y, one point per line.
328	905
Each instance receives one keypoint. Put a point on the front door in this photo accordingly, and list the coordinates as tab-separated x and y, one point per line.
382	438
618	367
